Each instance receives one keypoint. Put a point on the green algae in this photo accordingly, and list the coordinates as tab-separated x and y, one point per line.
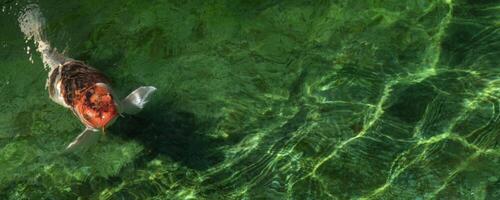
263	100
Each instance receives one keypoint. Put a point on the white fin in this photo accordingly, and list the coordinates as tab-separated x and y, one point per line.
86	139
135	101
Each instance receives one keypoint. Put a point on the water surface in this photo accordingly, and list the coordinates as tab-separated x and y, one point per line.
262	100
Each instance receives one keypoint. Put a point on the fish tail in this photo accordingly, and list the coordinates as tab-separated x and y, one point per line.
31	22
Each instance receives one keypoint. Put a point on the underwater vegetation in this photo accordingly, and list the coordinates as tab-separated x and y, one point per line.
372	99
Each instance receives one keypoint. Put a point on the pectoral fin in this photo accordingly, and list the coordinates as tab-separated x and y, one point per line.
135	101
86	139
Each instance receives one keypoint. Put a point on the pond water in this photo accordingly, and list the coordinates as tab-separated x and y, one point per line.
261	100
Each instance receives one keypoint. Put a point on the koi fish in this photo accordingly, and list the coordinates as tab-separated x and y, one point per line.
79	87
86	92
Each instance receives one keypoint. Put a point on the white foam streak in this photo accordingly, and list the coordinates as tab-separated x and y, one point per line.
31	22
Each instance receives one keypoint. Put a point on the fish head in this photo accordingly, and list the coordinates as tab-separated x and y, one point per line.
96	106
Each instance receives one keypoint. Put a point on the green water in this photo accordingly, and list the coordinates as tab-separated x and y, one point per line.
260	99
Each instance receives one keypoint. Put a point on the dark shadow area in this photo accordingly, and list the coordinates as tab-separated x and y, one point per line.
177	134
163	129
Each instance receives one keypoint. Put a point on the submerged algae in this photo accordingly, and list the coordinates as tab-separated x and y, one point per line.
263	100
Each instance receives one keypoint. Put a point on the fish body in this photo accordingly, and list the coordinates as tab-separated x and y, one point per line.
85	91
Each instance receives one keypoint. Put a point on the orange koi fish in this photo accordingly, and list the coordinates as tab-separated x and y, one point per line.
79	87
86	92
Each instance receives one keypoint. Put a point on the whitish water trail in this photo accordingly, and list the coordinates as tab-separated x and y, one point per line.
32	22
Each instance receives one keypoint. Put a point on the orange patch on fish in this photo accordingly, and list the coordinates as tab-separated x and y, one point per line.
95	106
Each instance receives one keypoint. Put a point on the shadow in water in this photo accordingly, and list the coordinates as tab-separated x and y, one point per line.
163	129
